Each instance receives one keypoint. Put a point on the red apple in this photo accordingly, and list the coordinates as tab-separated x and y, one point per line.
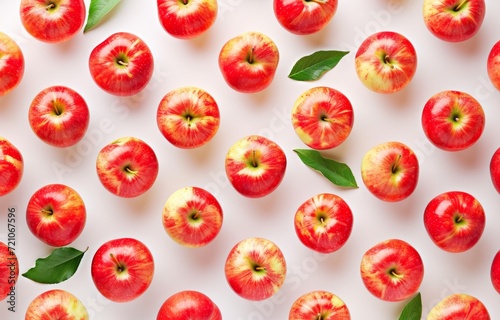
495	169
122	64
9	271
453	120
11	64
392	270
56	214
189	304
495	272
192	217
454	220
53	21
59	116
454	20
248	62
187	19
319	305
459	306
122	269
255	166
493	65
390	171
11	167
255	269
322	117
56	304
127	167
386	62
324	222
304	17
188	117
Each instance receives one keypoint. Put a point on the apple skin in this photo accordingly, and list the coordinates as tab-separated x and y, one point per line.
189	304
453	120
248	62
454	20
122	269
319	304
192	217
11	64
386	62
59	116
322	117
187	19
11	167
390	171
459	306
324	222
255	166
56	304
495	169
9	270
495	272
127	167
188	117
392	270
304	17
122	64
455	221
255	269
56	214
53	21
493	65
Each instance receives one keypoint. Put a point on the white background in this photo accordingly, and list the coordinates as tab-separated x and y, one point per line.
378	118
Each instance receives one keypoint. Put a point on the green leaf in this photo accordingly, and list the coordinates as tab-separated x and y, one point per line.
413	309
59	266
312	67
97	10
338	173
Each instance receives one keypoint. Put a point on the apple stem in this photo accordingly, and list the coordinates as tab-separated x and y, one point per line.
122	63
259	268
395	274
254	159
387	60
57	109
395	165
250	56
119	266
457	8
195	215
48	211
50	6
325	118
129	170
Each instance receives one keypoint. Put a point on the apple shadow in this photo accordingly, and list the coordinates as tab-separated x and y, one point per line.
201	42
468	158
472	47
262	97
199	156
